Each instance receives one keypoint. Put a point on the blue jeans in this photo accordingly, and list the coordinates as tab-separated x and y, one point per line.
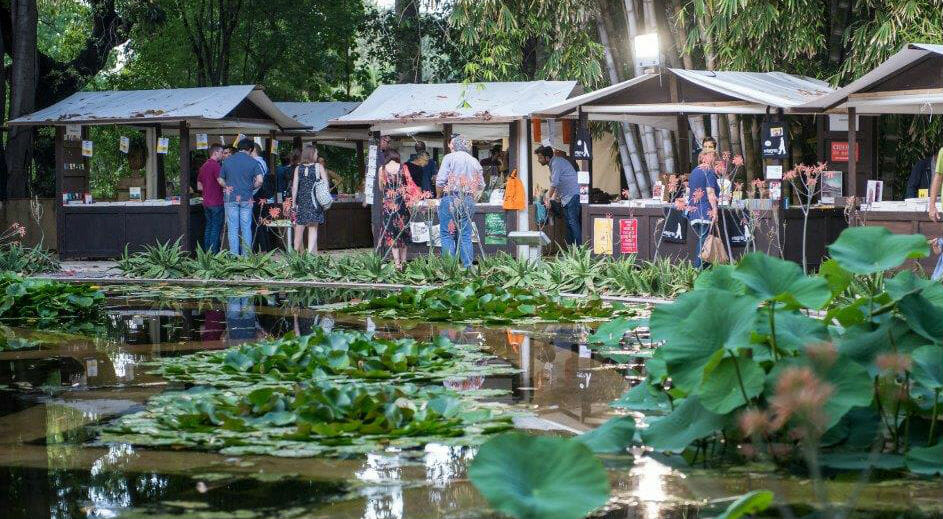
938	271
461	214
573	215
702	230
239	221
214	226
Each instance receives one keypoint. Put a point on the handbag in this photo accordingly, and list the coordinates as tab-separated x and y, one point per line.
713	250
513	193
321	193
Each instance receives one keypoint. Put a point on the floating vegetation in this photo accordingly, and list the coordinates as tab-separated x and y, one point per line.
43	304
336	355
321	418
478	302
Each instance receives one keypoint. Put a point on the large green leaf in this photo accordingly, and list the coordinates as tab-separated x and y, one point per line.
928	367
687	423
750	503
868	250
777	279
852	388
863	342
612	437
923	317
721	392
838	279
697	328
720	277
906	282
531	476
794	331
925	460
610	334
643	398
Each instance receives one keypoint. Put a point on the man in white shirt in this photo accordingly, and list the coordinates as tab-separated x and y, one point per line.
458	184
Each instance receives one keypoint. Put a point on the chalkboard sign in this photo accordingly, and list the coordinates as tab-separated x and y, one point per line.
774	141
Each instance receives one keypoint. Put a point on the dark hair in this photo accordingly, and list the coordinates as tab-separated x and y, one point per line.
545	151
296	156
258	148
392	156
246	144
214	148
709	139
420	146
230	149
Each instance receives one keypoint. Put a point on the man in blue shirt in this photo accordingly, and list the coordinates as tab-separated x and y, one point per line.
240	177
564	183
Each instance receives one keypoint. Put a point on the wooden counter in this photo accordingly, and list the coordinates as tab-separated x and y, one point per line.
346	226
777	232
490	243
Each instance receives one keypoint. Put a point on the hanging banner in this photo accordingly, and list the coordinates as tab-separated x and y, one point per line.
676	227
86	148
735	229
496	229
839	151
370	177
202	141
775	140
602	236
124	144
583	147
628	235
163	144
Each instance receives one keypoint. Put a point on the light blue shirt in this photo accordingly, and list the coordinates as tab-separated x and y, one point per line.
460	165
564	178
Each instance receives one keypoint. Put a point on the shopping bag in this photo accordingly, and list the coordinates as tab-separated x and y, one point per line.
713	250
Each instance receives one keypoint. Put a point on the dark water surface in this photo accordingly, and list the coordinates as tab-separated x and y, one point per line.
52	397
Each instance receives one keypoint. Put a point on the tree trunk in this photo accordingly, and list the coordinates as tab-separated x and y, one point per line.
408	62
733	123
627	170
22	95
750	161
3	115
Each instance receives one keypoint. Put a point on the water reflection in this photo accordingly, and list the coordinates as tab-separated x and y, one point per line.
384	496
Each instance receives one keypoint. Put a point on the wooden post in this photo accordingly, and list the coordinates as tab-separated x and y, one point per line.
185	185
297	143
361	159
446	137
272	155
684	136
852	152
57	201
160	190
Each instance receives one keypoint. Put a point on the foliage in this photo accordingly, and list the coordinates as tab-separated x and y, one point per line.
748	504
746	345
50	304
319	418
160	261
17	258
533	476
477	301
335	355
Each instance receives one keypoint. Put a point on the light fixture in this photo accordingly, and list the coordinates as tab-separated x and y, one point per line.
647	52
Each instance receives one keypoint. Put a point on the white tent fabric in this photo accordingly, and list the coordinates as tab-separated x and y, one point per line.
207	107
917	102
410	104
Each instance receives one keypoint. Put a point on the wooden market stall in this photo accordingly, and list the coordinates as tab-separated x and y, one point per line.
488	113
347	223
105	229
909	82
664	99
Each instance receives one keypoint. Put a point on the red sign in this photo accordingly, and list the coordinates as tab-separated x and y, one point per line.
628	236
840	151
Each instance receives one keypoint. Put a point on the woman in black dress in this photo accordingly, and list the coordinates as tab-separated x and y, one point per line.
395	184
308	214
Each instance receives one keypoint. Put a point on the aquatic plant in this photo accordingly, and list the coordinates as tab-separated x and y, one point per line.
763	356
50	304
477	301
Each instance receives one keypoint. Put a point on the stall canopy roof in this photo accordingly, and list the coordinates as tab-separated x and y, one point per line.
909	82
315	115
646	99
238	106
456	103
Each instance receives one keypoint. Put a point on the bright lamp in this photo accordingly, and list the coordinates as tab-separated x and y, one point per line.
647	52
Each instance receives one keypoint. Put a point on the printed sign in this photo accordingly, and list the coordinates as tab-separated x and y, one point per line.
602	236
775	190
658	191
124	144
775	140
875	191
496	230
774	172
583	147
584	194
676	227
831	186
134	193
163	144
370	177
86	148
628	235
839	151
923	193
73	132
582	177
273	148
202	141
258	140
419	232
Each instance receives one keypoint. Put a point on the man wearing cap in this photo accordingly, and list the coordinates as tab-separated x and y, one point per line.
564	183
458	184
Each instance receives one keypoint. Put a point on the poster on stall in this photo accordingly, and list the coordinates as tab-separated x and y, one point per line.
775	190
86	148
875	191
258	140
124	144
496	229
628	235
831	186
774	172
583	147
273	148
163	144
235	142
419	232
775	140
676	227
371	174
73	132
584	194
202	141
602	236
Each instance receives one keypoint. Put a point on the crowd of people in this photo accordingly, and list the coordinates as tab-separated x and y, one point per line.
236	184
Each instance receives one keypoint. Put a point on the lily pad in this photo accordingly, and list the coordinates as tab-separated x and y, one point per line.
925	460
689	421
643	398
774	279
531	476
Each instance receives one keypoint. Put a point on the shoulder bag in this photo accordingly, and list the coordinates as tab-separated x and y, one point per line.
713	250
321	194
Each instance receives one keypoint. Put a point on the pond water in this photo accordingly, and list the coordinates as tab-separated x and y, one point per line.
52	398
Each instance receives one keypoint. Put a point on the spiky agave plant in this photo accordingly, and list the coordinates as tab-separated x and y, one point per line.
160	261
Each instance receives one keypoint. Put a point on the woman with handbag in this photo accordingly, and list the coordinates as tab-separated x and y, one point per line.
308	213
702	208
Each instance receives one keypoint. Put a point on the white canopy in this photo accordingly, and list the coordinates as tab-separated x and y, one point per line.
909	82
238	106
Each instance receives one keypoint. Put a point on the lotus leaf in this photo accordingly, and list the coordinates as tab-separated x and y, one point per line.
869	250
722	389
774	279
750	503
923	317
925	460
928	367
612	437
689	421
